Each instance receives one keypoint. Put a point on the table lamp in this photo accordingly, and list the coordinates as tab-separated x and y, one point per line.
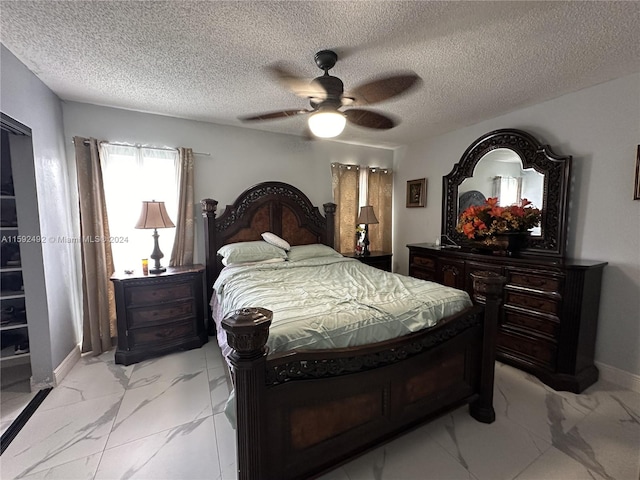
154	215
366	217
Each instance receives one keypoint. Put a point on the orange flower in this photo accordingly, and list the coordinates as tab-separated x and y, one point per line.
469	230
486	220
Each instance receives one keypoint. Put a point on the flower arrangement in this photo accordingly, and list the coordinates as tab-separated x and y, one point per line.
480	221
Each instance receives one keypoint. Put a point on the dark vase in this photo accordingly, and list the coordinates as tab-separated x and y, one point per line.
511	243
505	244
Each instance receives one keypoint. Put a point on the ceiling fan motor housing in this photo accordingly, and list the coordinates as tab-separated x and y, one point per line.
332	85
326	59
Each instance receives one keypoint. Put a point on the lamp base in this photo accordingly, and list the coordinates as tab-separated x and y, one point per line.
365	249
156	255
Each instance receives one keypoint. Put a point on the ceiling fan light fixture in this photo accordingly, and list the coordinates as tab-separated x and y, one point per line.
327	123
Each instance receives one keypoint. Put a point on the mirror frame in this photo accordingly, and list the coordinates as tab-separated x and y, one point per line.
533	154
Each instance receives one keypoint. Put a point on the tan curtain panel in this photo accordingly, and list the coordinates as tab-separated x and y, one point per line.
182	253
99	311
344	179
380	196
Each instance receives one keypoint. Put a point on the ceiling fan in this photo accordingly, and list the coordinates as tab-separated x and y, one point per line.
327	96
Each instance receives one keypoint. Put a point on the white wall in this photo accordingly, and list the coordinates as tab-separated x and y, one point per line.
600	128
51	283
239	157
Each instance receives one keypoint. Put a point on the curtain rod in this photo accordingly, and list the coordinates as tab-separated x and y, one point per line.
358	167
86	142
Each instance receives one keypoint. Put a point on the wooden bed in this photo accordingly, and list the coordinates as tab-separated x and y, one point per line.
303	413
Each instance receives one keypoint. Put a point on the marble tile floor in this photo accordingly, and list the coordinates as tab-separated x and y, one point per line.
13	399
163	419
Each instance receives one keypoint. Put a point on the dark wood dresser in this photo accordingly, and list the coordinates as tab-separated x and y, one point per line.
159	314
549	315
381	260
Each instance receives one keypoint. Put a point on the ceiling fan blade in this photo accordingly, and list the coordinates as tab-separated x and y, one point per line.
303	87
369	119
274	115
383	89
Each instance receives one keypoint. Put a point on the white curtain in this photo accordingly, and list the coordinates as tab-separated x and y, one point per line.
131	175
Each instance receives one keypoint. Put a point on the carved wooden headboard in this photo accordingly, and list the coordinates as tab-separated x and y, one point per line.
266	207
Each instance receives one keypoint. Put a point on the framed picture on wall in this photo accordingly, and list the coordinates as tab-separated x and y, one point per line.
636	189
417	192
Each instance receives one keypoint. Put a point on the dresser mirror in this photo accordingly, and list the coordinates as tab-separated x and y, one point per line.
511	165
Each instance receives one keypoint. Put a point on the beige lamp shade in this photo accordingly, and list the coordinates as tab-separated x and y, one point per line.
154	215
367	216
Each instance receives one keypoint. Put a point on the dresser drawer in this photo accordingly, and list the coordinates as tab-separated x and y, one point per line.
531	302
424	262
157	315
153	336
153	294
422	274
534	323
533	350
534	282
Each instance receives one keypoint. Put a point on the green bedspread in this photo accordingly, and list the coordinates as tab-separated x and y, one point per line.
333	302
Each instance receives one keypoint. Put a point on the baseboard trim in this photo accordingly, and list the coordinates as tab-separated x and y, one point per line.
623	378
66	365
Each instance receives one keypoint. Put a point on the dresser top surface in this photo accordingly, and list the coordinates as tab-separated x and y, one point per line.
537	259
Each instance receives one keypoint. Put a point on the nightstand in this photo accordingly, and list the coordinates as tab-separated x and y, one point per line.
381	260
159	314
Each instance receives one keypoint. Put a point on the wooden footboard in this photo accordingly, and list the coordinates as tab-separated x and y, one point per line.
302	413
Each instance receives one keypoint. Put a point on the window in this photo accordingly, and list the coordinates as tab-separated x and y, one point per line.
355	186
131	175
508	190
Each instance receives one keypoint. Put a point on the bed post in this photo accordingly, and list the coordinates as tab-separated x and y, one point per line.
487	289
247	331
329	213
209	207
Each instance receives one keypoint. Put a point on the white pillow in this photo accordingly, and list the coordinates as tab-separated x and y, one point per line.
301	252
274	239
261	262
243	252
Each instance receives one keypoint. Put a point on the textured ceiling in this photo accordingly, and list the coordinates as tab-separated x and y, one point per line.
204	60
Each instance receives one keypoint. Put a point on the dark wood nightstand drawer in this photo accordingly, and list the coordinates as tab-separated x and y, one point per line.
377	259
153	336
144	316
154	294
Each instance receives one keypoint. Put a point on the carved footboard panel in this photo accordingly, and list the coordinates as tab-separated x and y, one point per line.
302	413
314	425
